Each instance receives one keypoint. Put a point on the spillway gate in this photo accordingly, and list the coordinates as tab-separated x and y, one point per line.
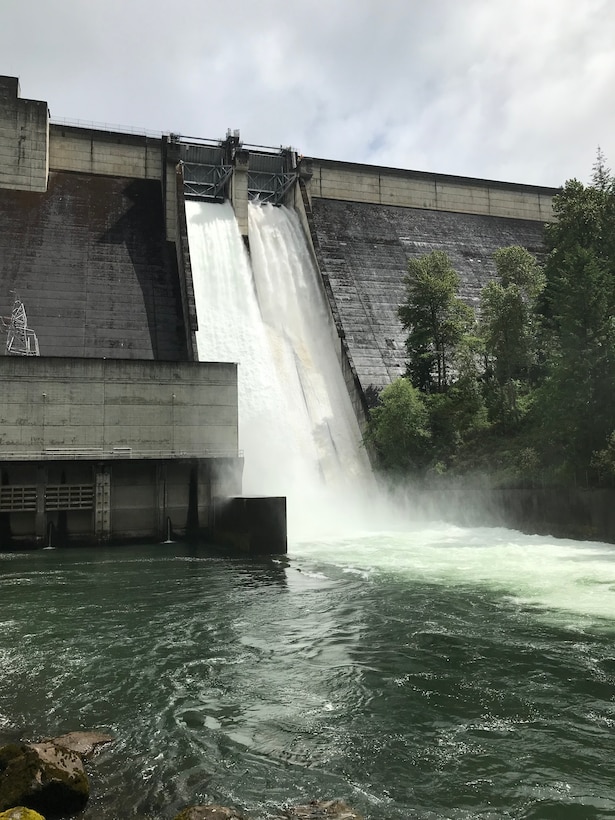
209	167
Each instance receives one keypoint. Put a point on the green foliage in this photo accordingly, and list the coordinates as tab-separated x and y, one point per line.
517	266
454	415
603	461
601	175
504	323
576	399
398	428
436	321
509	330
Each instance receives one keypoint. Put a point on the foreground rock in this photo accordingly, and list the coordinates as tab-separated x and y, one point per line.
21	813
42	776
320	809
211	812
85	744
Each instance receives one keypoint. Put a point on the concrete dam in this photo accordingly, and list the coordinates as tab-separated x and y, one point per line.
139	258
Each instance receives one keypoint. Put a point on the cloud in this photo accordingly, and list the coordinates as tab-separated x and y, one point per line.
486	88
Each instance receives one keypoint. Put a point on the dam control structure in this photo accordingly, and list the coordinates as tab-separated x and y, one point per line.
117	430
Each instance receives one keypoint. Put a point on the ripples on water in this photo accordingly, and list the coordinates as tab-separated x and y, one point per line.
439	681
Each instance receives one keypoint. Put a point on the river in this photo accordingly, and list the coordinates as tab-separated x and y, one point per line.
427	672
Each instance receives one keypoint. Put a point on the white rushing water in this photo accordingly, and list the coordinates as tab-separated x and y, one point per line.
301	439
571	583
296	424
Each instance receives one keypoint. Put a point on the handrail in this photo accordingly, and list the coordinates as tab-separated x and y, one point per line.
105	126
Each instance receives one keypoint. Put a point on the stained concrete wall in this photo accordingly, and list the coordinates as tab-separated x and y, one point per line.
90	261
363	252
145	499
132	447
24	139
239	190
184	267
58	408
109	153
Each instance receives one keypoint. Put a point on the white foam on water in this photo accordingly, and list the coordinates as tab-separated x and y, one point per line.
571	582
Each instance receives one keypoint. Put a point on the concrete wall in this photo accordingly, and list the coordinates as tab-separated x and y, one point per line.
363	252
24	139
90	261
562	512
74	502
169	180
59	408
109	153
91	151
299	200
112	204
364	224
352	182
239	190
184	267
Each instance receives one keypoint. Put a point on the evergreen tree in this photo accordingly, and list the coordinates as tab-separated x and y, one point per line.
436	320
509	326
601	175
398	428
578	397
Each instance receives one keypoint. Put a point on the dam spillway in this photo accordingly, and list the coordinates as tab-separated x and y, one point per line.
267	312
94	241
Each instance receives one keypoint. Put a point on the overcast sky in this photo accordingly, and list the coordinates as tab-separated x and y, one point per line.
517	90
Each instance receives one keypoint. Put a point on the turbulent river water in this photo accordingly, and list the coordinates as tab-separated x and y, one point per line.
428	672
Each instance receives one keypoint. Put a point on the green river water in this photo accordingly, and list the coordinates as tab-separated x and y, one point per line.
432	673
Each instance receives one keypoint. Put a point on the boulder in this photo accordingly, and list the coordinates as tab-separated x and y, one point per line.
85	744
211	812
44	777
320	809
20	813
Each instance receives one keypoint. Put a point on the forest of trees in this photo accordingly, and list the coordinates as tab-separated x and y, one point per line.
523	392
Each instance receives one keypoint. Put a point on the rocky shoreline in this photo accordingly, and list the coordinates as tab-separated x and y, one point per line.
48	781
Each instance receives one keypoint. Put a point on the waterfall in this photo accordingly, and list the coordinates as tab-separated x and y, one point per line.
297	427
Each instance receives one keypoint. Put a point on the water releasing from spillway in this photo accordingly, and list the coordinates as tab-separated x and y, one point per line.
296	424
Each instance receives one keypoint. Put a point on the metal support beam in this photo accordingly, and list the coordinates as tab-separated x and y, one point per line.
206	181
270	187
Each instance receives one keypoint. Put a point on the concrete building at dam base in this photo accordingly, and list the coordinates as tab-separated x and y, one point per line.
111	429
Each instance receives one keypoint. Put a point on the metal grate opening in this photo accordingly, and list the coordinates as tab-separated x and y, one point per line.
69	497
18	499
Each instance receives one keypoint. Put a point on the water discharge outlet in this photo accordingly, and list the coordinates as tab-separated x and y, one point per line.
268	313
